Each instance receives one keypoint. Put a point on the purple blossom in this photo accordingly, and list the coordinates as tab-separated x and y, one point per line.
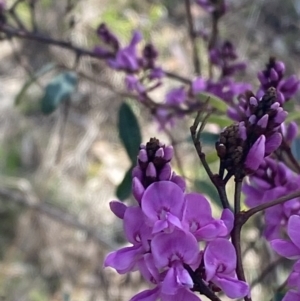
126	58
162	204
220	263
176	96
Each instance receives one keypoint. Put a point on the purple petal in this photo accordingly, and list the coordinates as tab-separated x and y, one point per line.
124	260
232	287
148	295
178	245
151	171
178	180
118	208
291	296
263	122
170	285
228	218
293	230
169	152
219	252
215	228
285	248
292	131
256	154
162	197
165	173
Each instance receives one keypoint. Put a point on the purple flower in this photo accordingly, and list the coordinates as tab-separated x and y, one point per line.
197	218
138	233
176	96
126	58
172	251
220	263
163	204
289	249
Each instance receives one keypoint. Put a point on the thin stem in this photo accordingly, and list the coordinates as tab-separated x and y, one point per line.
246	215
215	178
236	241
193	36
237	196
236	233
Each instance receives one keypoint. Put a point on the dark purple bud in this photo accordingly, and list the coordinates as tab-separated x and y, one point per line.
274	75
151	171
256	154
165	173
280	67
137	172
280	97
103	53
242	131
261	77
107	36
169	152
252	119
280	116
272	143
118	208
263	122
159	153
253	101
179	181
137	189
142	156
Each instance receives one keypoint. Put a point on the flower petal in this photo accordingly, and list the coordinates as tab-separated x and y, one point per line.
285	248
293	230
256	154
148	295
118	208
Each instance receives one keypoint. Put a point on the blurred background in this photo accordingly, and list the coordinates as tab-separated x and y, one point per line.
58	172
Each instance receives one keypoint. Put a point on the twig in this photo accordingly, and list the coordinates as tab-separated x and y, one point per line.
54	213
12	12
246	215
237	196
32	4
193	37
215	178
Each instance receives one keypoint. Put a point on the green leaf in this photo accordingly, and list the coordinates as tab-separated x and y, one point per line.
222	121
215	101
129	131
124	189
45	69
293	116
58	90
208	189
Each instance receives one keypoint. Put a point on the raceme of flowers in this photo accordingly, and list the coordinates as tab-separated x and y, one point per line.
164	229
243	146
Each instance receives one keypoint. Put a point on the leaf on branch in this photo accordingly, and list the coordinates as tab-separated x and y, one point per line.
57	91
215	101
129	132
124	189
222	121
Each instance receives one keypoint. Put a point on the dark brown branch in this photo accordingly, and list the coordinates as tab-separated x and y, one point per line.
193	37
246	215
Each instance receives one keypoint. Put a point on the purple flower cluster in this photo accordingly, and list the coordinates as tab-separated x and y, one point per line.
165	228
272	180
273	76
291	249
142	72
243	146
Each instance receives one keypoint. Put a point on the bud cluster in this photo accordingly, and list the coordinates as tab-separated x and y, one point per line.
165	228
242	147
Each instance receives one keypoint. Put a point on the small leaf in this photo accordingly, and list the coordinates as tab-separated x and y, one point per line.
129	131
215	101
208	189
45	69
296	148
293	116
222	121
124	189
58	90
